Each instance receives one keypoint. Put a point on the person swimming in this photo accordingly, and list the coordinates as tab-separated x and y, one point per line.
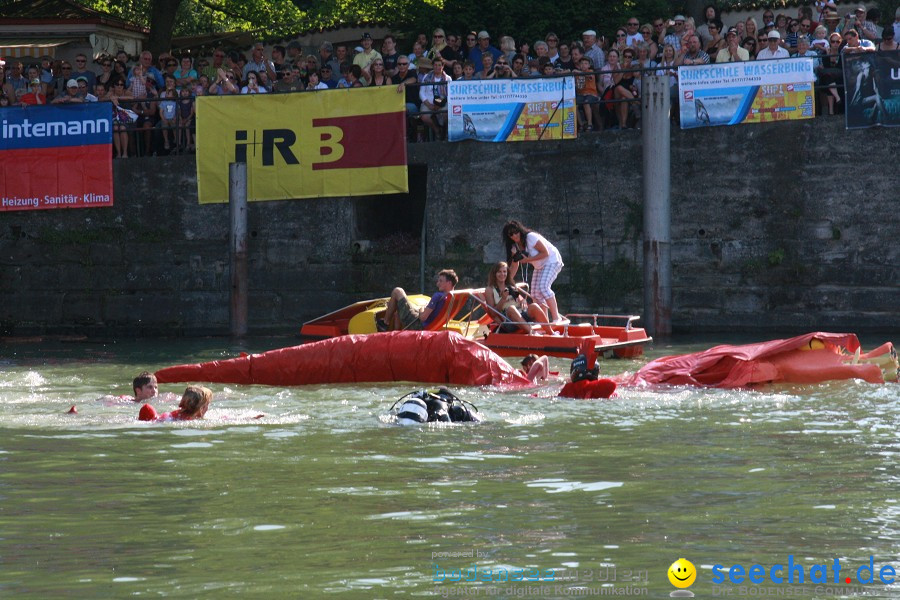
194	403
145	387
536	368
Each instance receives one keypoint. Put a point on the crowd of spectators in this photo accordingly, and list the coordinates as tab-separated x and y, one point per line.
153	98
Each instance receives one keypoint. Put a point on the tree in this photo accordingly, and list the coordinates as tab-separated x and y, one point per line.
522	19
162	24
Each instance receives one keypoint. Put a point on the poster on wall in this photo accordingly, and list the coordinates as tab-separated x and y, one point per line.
56	156
760	91
512	110
872	86
326	143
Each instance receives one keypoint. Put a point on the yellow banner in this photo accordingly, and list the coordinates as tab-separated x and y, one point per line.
346	142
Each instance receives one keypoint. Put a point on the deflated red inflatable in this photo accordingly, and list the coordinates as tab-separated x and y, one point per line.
589	389
423	356
810	358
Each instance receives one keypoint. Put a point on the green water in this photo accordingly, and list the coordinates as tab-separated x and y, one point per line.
326	497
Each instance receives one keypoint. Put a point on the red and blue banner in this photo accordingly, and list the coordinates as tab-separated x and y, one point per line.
56	156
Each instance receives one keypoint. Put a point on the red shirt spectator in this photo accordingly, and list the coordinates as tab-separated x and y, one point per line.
34	96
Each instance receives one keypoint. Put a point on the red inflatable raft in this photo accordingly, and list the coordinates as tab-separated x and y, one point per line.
421	356
810	358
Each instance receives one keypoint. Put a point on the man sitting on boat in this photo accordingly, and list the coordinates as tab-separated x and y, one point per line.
401	315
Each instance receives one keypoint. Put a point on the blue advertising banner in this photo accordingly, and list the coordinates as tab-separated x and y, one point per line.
746	92
512	110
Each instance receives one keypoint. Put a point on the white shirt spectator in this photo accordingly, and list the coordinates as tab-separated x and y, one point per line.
766	53
426	91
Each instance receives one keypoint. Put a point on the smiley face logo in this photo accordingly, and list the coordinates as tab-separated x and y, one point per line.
682	573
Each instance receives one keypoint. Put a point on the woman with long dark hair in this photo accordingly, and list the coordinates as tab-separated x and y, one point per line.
508	300
524	246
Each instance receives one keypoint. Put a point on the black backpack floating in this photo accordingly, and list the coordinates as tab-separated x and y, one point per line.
430	406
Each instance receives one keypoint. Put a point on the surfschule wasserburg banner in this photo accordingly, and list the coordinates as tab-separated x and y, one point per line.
56	156
512	110
760	91
872	85
304	145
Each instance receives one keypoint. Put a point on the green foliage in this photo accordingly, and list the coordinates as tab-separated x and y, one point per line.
209	16
522	19
531	20
776	257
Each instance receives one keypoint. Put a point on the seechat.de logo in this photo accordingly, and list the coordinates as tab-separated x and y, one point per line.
792	572
682	573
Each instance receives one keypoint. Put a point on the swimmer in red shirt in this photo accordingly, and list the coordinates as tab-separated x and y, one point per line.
194	404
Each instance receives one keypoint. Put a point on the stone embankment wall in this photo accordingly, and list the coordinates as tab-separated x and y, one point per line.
781	227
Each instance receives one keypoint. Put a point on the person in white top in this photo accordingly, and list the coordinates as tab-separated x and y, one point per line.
773	49
526	246
633	37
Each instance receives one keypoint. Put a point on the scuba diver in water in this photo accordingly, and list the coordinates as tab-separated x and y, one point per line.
440	405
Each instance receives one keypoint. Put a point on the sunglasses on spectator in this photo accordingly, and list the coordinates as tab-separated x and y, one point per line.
633	24
468	39
438	36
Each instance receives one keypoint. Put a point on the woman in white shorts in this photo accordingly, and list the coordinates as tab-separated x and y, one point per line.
530	247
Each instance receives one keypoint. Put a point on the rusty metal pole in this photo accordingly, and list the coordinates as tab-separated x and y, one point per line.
237	202
656	136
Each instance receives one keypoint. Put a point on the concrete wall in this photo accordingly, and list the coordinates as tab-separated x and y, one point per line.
780	227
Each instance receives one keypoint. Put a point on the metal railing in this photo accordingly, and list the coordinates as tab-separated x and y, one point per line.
149	134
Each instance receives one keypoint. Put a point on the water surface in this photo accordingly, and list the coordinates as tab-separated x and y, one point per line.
326	497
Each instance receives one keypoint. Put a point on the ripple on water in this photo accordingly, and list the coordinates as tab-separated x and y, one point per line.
28	379
193	445
557	486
